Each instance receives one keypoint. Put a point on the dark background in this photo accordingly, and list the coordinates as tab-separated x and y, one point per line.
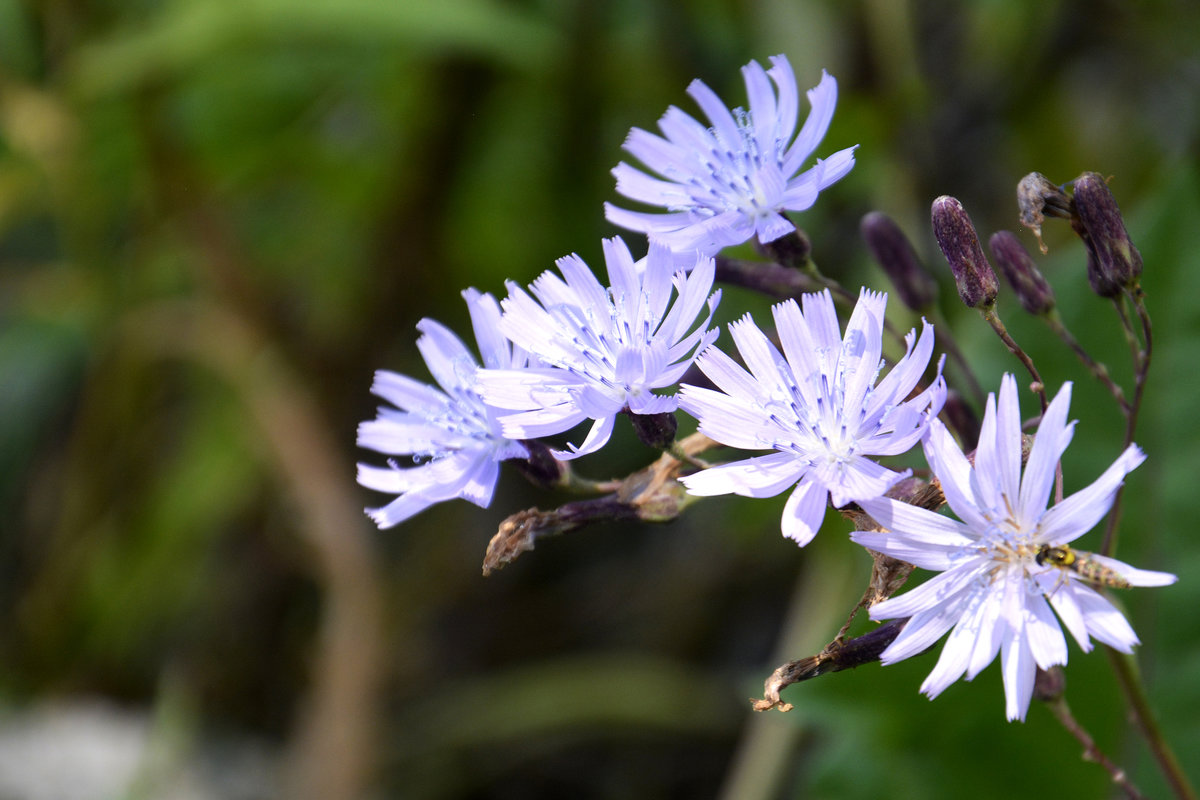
218	218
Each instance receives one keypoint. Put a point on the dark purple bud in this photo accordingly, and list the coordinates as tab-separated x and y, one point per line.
1049	684
655	430
956	237
1113	262
895	254
1038	198
540	468
1022	274
792	250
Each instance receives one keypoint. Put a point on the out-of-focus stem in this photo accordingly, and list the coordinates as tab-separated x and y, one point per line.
1131	685
1099	371
334	748
1140	353
1062	712
768	743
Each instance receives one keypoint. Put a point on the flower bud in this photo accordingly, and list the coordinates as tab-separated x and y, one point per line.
1022	274
894	253
540	467
956	237
792	250
655	430
1113	262
1038	198
1049	684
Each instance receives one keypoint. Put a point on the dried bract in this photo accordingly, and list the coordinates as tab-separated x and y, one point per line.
1038	198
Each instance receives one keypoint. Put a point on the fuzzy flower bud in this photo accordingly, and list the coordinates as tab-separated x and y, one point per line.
1113	262
894	253
655	430
956	237
1022	274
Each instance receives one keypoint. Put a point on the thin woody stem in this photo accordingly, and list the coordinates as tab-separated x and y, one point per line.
1062	712
1141	353
1124	665
945	338
1098	370
992	318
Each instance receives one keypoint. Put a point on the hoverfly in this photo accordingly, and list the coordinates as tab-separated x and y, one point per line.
1085	565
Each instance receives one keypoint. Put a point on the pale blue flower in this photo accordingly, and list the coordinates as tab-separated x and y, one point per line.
994	591
449	437
601	350
723	184
817	405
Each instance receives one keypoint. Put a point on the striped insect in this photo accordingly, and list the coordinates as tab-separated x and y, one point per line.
1085	565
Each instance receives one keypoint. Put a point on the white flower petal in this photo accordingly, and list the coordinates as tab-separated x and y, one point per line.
991	587
811	403
1019	672
1076	515
723	183
452	438
763	476
1046	641
803	512
596	438
1104	621
1053	435
954	472
920	633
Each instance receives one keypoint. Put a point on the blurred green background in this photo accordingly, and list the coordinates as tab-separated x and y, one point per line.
217	218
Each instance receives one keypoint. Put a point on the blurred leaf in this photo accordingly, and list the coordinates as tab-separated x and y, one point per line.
193	32
18	53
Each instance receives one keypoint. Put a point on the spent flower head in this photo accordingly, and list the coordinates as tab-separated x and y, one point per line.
724	183
602	350
450	437
817	405
1006	564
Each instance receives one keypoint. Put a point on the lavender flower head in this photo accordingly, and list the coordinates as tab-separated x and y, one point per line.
996	589
817	405
723	184
451	435
601	350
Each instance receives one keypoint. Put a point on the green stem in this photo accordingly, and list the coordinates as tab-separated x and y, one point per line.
1098	370
1131	685
1062	712
992	318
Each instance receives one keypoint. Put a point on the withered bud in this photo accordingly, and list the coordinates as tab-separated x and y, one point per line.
1113	262
1022	274
895	254
956	237
655	430
1038	198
